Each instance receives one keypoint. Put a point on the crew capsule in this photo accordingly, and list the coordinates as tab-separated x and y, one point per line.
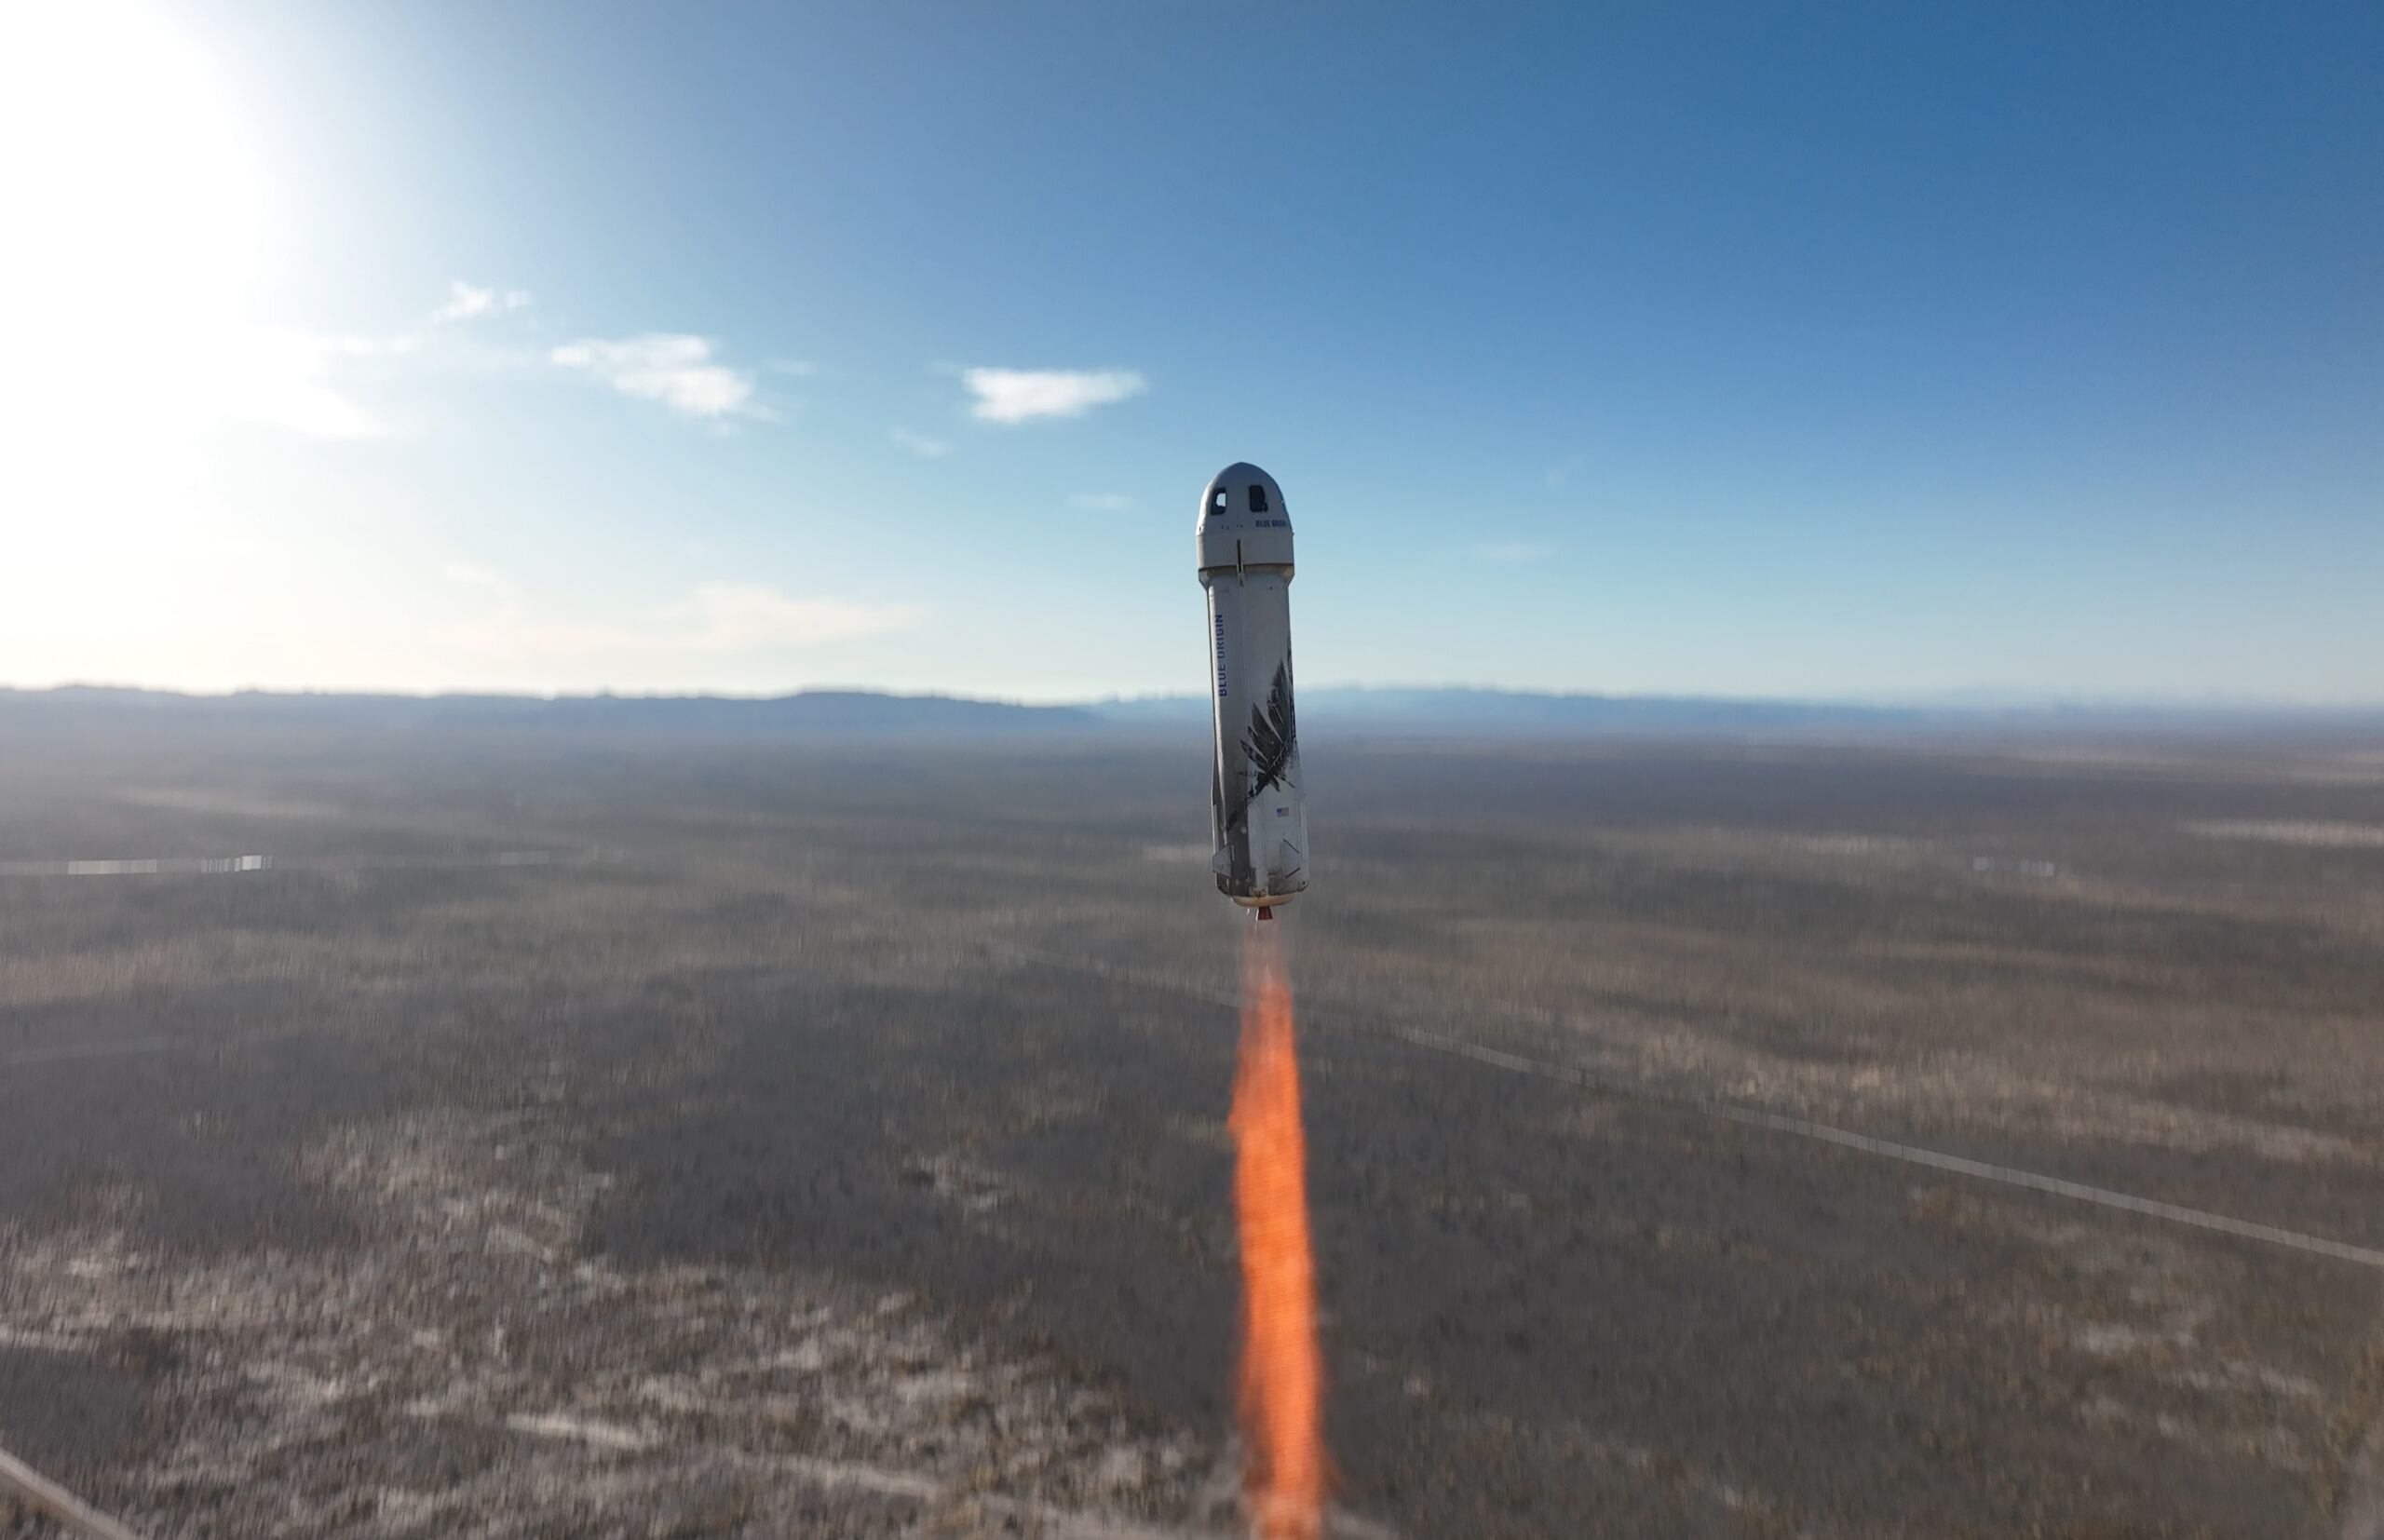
1244	539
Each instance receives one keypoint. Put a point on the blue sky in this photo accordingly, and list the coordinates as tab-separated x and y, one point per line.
1767	350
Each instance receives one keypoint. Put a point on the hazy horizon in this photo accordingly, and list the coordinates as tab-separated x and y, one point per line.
1984	700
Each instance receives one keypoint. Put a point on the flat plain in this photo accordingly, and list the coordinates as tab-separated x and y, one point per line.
466	1132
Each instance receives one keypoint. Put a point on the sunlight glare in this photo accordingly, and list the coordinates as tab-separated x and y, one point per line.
128	282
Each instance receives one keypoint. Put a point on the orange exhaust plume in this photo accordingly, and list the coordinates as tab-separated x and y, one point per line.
1282	1373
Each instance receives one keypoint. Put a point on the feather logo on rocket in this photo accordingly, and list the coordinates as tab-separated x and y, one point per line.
1244	541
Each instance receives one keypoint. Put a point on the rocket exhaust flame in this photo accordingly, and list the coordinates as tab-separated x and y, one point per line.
1282	1373
1243	540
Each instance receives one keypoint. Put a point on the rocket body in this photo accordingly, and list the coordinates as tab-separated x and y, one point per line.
1260	808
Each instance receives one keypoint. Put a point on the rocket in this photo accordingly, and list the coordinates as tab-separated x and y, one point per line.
1260	809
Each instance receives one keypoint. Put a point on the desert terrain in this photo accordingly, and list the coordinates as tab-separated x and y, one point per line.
414	1132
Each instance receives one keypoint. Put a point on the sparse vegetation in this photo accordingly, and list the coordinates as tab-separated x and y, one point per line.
828	1139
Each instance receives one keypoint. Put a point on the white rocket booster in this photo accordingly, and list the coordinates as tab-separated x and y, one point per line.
1260	812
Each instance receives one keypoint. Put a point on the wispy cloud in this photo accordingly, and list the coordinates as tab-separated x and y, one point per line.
672	367
715	621
1513	550
1021	395
728	616
1562	472
920	444
471	575
283	379
802	369
402	345
1101	502
468	300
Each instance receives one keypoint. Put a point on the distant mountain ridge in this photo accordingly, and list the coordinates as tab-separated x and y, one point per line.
1402	711
1460	709
806	710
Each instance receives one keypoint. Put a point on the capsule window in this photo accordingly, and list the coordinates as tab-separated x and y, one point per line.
1257	498
1220	503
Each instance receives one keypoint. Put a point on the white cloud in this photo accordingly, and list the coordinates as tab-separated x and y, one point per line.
283	379
473	575
920	444
397	346
731	617
715	621
1101	502
671	367
1020	395
1513	550
467	302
